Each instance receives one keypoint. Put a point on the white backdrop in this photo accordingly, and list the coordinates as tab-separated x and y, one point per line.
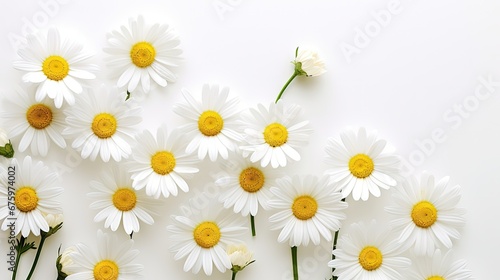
424	74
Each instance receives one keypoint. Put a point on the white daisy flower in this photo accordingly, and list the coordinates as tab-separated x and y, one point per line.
102	123
112	262
33	193
245	186
239	255
309	208
439	267
203	239
274	134
368	252
307	62
140	53
426	215
6	149
361	164
212	123
160	163
117	201
57	65
39	123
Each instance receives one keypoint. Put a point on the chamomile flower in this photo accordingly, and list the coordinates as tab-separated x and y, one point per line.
38	123
368	252
274	134
160	163
34	197
203	239
361	164
102	123
212	122
56	65
246	186
118	201
141	52
112	262
426	215
439	267
308	208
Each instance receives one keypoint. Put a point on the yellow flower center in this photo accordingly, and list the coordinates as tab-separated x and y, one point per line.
104	125
424	214
370	258
210	123
206	234
39	116
106	270
251	179
275	135
436	278
143	54
304	207
26	199
124	199
55	67
163	162
361	166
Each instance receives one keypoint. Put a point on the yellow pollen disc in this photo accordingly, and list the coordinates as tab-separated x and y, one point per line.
361	166
143	54
39	116
163	162
435	278
55	68
275	135
304	207
370	258
206	234
424	214
210	123
104	125
26	199
106	270
251	179
124	199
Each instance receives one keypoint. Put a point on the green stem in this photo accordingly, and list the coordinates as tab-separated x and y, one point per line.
20	245
38	252
335	238
294	263
252	222
286	85
234	275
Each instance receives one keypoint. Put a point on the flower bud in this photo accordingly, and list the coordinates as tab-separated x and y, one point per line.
308	63
239	256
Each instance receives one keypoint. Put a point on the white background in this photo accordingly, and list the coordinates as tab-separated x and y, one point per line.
408	81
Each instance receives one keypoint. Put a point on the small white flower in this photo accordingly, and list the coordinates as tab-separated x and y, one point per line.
309	63
239	255
65	259
439	267
54	219
140	53
56	65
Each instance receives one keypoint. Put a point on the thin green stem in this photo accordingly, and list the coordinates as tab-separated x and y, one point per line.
252	223
234	275
335	238
294	263
37	256
20	245
286	85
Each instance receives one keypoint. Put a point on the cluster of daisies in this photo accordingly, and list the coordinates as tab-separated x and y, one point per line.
254	146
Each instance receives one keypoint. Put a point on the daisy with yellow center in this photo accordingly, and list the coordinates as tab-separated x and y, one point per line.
112	262
426	215
118	201
34	197
203	239
361	164
274	134
57	66
102	123
212	123
159	164
141	53
439	266
37	123
369	251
